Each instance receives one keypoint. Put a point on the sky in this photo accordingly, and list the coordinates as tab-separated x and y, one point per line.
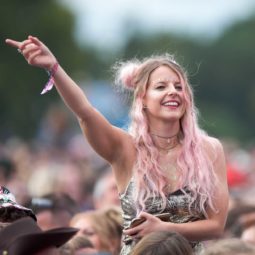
102	22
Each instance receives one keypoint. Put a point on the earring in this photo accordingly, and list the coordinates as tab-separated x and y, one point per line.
144	107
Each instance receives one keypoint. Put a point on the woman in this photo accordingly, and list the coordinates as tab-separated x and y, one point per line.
102	227
165	163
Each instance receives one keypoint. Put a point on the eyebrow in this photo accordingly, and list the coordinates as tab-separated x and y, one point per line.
165	80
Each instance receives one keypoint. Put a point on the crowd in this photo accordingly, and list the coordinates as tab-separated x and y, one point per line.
60	189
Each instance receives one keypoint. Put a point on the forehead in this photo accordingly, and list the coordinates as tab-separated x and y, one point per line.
162	73
84	222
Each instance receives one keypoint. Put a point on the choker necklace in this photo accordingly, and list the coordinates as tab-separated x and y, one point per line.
172	142
168	138
167	149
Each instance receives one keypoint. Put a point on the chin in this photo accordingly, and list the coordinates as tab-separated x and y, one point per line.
173	118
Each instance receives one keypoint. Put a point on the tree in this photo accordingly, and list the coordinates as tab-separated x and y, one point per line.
20	85
221	72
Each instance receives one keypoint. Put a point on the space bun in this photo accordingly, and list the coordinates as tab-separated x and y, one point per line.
126	75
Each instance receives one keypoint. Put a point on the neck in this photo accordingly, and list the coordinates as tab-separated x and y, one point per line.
168	138
165	130
165	135
165	144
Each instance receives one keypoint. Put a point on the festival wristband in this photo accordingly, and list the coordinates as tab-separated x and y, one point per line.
49	85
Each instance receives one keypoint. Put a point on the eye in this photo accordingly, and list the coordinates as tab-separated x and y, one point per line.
160	86
88	232
178	86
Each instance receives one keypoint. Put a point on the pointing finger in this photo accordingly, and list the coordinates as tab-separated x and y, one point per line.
13	43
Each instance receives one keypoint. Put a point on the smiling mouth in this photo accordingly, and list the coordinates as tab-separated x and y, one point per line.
171	103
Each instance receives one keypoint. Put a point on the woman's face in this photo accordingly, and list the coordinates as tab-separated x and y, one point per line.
164	98
87	229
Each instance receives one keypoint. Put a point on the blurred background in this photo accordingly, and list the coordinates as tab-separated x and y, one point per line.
213	40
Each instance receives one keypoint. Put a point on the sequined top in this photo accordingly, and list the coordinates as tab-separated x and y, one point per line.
177	207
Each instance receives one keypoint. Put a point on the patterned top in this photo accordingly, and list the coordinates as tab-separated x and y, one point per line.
177	206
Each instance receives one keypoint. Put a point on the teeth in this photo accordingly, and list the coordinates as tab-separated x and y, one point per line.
171	104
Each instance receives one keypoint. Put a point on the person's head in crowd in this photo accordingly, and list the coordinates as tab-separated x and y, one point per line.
10	210
77	179
239	218
229	246
163	243
54	210
103	227
64	176
7	170
105	191
24	237
79	244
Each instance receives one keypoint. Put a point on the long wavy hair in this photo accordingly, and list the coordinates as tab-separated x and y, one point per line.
196	167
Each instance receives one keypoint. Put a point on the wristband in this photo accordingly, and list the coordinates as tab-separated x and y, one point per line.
49	85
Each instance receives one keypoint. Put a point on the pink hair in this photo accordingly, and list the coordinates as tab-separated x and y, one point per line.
126	73
197	172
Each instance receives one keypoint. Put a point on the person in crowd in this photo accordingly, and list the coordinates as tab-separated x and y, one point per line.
102	227
54	210
163	243
79	244
239	218
164	162
24	237
10	210
105	191
227	246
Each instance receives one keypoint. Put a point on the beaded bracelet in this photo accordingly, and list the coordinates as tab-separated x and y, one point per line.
48	86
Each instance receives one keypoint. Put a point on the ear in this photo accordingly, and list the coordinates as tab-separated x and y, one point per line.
144	102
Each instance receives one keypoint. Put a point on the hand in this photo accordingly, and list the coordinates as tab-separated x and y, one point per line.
150	224
35	52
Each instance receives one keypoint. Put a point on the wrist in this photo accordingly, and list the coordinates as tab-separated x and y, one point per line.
53	69
51	73
166	226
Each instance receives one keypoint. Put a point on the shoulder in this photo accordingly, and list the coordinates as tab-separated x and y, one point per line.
215	154
212	142
213	147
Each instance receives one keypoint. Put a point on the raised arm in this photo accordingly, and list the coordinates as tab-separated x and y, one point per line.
105	139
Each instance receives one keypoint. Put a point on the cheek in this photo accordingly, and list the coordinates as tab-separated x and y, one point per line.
184	106
150	96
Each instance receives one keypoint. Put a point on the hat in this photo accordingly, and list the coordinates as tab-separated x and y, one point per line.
24	237
9	206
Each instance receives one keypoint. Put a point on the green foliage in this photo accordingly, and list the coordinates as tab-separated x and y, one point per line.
20	85
228	79
221	72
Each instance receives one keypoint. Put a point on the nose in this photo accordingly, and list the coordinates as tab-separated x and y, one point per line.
171	90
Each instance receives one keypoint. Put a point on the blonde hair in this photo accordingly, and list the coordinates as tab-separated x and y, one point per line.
107	223
233	246
74	244
163	243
